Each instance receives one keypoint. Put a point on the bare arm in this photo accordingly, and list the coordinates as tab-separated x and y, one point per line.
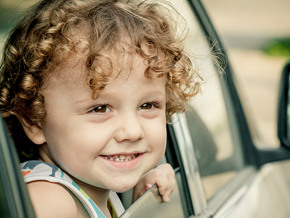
53	200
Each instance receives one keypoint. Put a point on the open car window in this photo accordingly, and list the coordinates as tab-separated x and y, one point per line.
211	117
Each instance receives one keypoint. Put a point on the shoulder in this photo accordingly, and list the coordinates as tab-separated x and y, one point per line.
53	200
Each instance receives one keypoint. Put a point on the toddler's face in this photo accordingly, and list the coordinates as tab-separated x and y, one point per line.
109	142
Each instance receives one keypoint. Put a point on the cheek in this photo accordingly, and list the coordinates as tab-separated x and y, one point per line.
157	136
76	140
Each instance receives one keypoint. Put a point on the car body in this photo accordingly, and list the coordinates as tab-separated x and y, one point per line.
220	172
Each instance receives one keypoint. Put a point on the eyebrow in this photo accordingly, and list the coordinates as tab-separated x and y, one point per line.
107	93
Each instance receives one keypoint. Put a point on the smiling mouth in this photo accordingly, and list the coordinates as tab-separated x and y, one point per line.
121	158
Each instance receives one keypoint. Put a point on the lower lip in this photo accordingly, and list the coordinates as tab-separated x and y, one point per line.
124	164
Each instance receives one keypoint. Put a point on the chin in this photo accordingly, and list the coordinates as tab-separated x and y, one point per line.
121	187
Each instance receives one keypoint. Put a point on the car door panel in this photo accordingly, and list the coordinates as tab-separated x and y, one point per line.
268	196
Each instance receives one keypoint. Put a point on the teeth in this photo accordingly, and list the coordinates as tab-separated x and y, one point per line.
121	158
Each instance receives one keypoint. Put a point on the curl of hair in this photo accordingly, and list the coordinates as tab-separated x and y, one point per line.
48	35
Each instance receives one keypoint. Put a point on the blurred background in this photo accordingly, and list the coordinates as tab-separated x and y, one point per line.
256	34
257	39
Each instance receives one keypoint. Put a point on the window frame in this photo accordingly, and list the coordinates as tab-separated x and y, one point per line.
16	194
189	163
174	158
225	198
245	126
229	195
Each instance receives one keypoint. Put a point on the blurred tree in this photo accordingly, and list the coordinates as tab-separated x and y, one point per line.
278	47
11	11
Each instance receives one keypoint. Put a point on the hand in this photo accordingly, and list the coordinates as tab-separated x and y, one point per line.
163	176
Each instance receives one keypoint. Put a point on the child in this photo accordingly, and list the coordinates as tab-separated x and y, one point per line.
86	86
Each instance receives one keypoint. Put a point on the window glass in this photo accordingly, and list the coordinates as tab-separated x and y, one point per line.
211	120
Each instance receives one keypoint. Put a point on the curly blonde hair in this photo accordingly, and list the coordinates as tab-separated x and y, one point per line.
44	40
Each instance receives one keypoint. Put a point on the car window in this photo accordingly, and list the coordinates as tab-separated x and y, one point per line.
149	204
218	152
210	117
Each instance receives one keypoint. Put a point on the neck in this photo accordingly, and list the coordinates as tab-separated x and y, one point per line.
98	195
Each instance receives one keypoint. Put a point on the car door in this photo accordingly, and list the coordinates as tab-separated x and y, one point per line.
14	199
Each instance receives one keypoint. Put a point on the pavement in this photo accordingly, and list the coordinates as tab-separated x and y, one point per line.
245	26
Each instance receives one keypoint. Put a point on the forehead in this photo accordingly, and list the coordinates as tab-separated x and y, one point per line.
127	68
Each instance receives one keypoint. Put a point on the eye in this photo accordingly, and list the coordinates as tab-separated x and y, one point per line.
101	109
147	106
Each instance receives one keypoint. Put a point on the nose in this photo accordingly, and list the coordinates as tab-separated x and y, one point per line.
130	129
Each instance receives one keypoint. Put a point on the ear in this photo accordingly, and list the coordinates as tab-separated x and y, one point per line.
33	132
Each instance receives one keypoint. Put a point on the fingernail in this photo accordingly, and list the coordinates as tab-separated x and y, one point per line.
148	186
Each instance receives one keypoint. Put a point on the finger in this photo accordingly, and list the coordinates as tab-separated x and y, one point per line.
142	191
155	191
167	191
157	195
162	190
163	184
147	186
166	196
137	193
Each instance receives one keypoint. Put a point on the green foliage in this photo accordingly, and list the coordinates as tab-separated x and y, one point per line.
278	47
11	11
8	18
